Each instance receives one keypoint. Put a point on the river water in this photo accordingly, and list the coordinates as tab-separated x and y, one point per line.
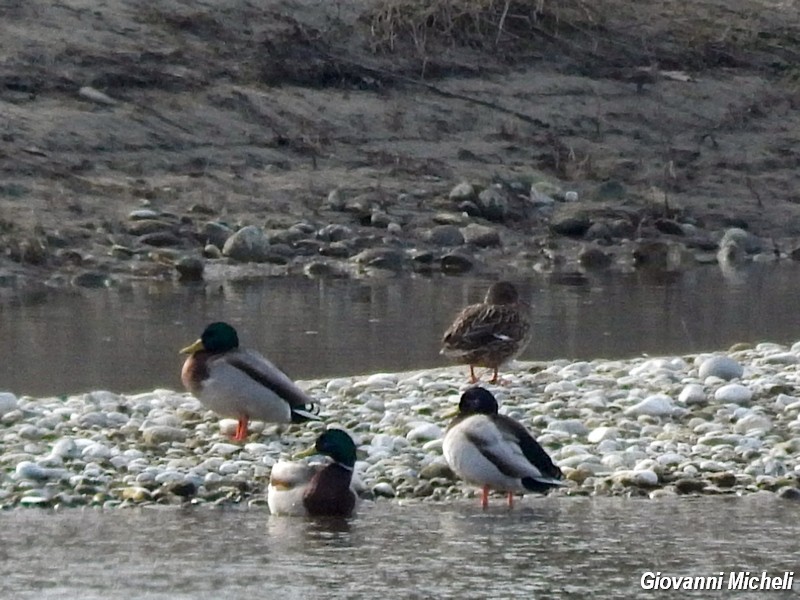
543	548
127	339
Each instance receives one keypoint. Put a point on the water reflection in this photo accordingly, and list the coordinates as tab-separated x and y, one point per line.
547	548
126	339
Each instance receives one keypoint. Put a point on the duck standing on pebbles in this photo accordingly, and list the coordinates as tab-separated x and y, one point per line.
494	451
490	333
299	489
241	383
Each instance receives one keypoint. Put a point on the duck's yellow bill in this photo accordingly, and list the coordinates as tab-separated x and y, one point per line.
196	347
450	413
307	452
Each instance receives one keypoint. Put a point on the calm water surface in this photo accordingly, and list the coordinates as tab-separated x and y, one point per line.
127	339
544	548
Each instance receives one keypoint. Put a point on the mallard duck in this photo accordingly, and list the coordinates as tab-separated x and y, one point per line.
241	383
494	451
490	333
298	489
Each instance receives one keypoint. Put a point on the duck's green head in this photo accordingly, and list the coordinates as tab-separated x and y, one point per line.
477	401
337	444
216	338
502	292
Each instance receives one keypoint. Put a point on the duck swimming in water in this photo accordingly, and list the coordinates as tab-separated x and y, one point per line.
298	489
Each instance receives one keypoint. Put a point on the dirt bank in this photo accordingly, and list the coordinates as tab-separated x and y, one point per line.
678	119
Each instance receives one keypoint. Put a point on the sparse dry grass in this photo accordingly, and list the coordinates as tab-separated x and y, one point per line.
674	33
480	23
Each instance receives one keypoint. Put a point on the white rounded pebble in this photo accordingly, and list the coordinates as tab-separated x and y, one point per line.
383	489
645	477
224	449
670	458
96	451
425	432
712	466
560	387
375	405
657	405
227	427
31	471
569	426
753	421
723	367
693	393
604	433
782	358
8	402
733	393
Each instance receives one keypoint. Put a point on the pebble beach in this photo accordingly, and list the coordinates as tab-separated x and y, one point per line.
725	423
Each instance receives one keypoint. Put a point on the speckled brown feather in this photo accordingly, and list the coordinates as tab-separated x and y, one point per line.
490	333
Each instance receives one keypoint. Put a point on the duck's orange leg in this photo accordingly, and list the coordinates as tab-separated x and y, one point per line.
485	497
472	378
510	499
494	376
241	430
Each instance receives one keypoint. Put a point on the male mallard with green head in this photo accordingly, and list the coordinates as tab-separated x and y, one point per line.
490	333
494	451
241	383
299	489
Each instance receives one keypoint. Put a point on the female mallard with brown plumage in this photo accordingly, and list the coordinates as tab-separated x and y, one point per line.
241	383
298	489
494	451
490	333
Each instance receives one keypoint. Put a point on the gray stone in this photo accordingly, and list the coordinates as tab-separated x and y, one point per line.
145	226
462	191
249	244
8	402
334	233
189	268
437	470
381	258
789	493
599	231
341	249
657	405
380	219
722	367
482	236
493	203
335	200
216	233
733	393
571	226
445	235
457	262
159	239
143	214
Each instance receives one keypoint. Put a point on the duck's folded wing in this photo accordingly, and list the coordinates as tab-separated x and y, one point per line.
479	325
258	368
530	448
502	453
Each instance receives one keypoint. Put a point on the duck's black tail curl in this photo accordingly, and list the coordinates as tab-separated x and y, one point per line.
306	412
